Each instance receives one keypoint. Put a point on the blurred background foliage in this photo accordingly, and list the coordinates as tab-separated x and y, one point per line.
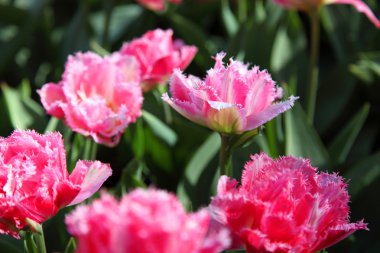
36	36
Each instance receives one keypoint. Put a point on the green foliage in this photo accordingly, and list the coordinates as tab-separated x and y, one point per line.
169	151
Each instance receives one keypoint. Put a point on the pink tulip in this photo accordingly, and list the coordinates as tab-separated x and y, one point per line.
144	221
303	5
284	205
34	182
231	99
97	96
157	5
158	55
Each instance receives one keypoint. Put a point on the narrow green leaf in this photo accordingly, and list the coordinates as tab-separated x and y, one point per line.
363	173
138	139
302	139
230	22
189	186
71	246
18	115
342	144
160	129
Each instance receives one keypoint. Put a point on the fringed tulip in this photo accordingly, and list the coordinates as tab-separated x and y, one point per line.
303	5
283	206
158	56
151	221
157	5
231	99
97	97
34	182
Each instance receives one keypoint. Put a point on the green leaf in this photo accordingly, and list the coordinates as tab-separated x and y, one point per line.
123	18
301	139
18	115
363	173
71	246
160	129
342	144
190	187
230	22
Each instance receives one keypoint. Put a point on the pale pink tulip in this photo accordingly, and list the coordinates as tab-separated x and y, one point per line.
158	56
303	5
34	182
231	99
97	96
151	221
284	205
157	5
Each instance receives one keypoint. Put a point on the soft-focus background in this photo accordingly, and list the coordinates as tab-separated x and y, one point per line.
36	36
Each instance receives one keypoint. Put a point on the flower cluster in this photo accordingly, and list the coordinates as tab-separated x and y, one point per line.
34	182
231	99
100	96
144	221
284	205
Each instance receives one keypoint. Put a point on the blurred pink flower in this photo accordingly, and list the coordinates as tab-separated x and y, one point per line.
284	205
144	221
157	5
158	55
231	99
97	96
303	5
34	182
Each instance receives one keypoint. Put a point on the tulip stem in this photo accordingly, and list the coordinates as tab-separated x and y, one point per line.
90	149
34	239
242	10
107	21
40	241
225	156
312	88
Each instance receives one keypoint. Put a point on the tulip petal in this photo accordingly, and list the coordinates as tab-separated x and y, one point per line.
360	6
256	120
53	99
91	176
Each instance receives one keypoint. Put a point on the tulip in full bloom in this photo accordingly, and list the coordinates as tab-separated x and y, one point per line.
306	5
158	56
231	99
284	205
151	221
157	5
97	96
34	182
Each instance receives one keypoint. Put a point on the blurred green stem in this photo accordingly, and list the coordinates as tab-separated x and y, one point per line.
242	10
107	21
90	149
225	156
312	87
167	111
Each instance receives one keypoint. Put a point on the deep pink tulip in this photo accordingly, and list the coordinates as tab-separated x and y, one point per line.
151	221
158	56
231	99
303	5
145	221
97	96
157	5
34	182
283	206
